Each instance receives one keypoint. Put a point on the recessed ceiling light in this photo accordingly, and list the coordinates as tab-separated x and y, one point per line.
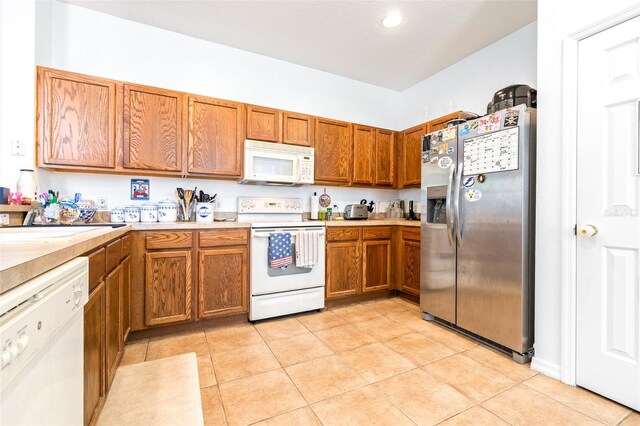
392	19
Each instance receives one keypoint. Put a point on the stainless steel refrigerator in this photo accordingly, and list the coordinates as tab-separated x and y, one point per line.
478	216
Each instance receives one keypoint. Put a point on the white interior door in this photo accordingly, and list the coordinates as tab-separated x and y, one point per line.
608	196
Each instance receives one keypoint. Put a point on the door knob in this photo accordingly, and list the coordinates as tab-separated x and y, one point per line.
587	230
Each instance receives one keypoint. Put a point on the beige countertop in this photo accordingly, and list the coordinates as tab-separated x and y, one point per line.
187	225
373	222
21	260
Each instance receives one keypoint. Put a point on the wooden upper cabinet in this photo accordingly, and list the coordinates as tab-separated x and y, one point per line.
412	153
385	160
334	151
152	129
297	129
364	154
264	124
167	291
76	120
216	135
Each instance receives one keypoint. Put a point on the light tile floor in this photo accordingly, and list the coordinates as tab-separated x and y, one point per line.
369	363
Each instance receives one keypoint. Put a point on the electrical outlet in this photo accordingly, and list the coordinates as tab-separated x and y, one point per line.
103	203
4	219
17	147
216	205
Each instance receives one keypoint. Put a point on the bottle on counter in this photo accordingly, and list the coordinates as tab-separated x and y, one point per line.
28	185
329	213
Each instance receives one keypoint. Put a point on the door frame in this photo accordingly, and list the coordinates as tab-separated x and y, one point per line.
569	283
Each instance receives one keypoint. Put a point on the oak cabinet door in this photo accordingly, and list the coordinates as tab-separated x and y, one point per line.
412	155
376	265
343	269
297	129
114	346
334	151
76	120
410	267
94	352
223	281
126	298
216	137
152	129
364	154
263	124
384	163
167	287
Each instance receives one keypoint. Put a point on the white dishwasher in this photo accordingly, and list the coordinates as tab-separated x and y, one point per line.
42	348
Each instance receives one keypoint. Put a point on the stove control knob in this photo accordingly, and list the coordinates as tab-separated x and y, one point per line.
5	359
298	204
252	204
23	341
13	352
77	296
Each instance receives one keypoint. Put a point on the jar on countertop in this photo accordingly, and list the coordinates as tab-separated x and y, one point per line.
148	213
116	215
132	214
167	211
204	212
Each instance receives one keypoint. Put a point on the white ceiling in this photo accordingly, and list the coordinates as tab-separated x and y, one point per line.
340	37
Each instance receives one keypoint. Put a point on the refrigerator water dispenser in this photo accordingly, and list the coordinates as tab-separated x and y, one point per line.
436	204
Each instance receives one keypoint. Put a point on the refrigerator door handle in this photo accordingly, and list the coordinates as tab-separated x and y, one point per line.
458	226
448	210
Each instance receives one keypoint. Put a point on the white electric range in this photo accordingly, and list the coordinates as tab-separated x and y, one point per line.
281	291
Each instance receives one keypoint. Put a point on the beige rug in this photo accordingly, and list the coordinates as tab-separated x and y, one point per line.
161	392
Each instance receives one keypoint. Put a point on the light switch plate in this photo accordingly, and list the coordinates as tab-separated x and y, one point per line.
17	147
103	203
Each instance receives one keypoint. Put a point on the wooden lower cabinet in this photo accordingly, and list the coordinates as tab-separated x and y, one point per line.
115	345
167	290
126	298
223	281
410	261
376	266
106	321
358	260
343	270
94	352
188	276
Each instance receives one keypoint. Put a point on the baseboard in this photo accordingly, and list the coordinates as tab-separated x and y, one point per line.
545	367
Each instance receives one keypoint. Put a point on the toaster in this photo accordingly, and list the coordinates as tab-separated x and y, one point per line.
356	212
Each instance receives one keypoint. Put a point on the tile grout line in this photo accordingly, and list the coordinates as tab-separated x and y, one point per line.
213	367
567	405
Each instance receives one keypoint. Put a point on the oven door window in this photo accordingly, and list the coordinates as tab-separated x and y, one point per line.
290	269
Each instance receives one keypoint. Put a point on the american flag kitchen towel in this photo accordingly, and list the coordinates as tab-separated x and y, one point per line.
280	250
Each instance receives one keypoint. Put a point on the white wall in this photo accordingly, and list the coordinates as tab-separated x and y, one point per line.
89	42
17	76
556	20
469	84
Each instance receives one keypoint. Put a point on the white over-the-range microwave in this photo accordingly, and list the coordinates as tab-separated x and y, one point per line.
267	163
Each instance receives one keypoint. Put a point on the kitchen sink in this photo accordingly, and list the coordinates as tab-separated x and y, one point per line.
44	233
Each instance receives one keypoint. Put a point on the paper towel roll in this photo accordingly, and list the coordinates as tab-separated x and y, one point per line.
313	202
